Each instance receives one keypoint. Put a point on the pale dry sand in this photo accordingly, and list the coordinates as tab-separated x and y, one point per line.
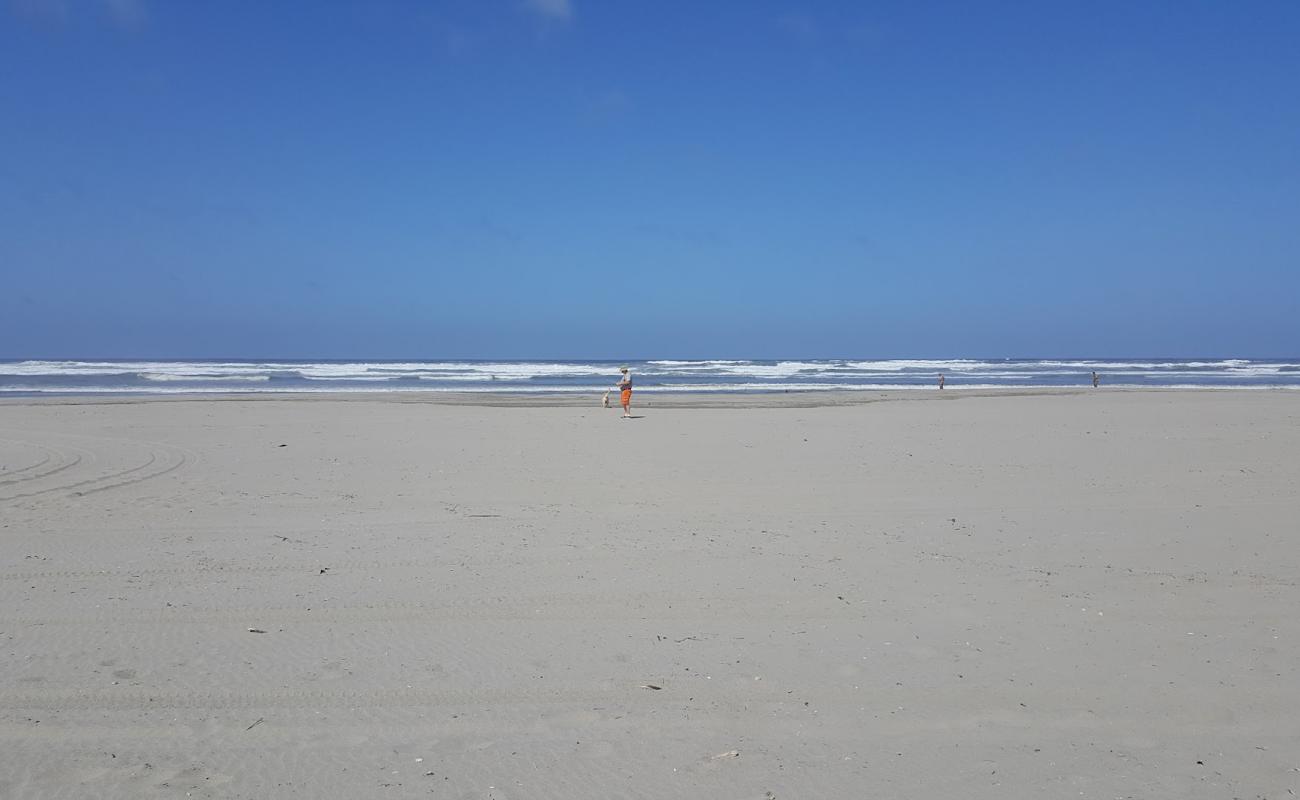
1059	594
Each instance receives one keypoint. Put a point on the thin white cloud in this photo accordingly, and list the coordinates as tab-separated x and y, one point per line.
800	27
128	14
607	106
559	10
43	11
125	14
612	101
455	41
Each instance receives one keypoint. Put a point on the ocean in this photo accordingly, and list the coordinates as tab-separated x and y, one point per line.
210	376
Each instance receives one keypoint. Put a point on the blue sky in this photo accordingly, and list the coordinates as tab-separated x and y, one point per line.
621	179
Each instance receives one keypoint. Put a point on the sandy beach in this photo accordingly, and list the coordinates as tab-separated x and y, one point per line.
897	595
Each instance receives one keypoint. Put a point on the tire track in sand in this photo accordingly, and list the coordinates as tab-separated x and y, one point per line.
65	462
162	459
311	567
639	605
49	456
69	700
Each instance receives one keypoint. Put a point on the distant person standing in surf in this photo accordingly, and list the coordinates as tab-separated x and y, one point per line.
625	392
1096	379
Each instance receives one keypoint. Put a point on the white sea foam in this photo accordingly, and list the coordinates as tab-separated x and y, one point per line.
596	390
660	375
714	362
165	376
543	370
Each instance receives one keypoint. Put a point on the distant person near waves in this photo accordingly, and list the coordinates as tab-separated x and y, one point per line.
625	392
1096	379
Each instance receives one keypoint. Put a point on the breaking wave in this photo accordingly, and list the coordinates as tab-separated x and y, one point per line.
661	375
